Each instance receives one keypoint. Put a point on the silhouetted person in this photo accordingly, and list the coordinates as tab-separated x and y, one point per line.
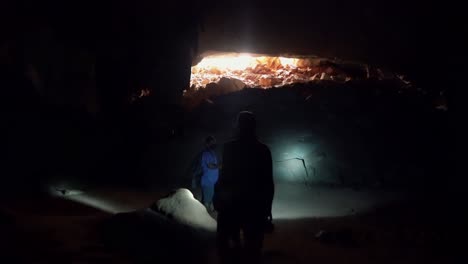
244	193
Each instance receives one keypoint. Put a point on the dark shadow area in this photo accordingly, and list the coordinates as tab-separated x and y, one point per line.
408	230
148	236
91	98
51	229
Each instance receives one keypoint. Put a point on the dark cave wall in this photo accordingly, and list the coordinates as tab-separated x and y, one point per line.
85	53
69	72
360	134
70	69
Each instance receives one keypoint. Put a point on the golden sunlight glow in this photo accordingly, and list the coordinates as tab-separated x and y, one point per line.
240	62
255	70
222	73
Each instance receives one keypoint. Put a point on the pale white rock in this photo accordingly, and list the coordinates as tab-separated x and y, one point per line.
185	209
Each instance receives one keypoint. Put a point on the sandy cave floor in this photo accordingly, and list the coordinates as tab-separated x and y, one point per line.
53	229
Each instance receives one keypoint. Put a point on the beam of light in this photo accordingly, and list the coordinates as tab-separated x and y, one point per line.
296	195
86	199
295	163
302	162
94	202
297	201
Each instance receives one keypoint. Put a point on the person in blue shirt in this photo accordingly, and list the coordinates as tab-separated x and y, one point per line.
210	172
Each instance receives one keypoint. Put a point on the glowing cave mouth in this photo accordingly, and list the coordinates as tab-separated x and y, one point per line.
217	74
254	70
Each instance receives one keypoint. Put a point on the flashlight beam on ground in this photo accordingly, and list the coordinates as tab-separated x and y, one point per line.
303	163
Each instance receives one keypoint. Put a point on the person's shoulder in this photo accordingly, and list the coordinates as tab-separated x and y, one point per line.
263	147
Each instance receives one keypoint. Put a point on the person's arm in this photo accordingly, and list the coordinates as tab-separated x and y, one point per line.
212	161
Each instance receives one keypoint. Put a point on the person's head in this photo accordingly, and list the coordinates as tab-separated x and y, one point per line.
210	142
246	124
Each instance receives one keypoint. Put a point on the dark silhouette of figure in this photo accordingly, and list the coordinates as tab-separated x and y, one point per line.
244	194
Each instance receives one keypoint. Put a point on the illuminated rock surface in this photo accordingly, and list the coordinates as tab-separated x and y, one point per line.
185	209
